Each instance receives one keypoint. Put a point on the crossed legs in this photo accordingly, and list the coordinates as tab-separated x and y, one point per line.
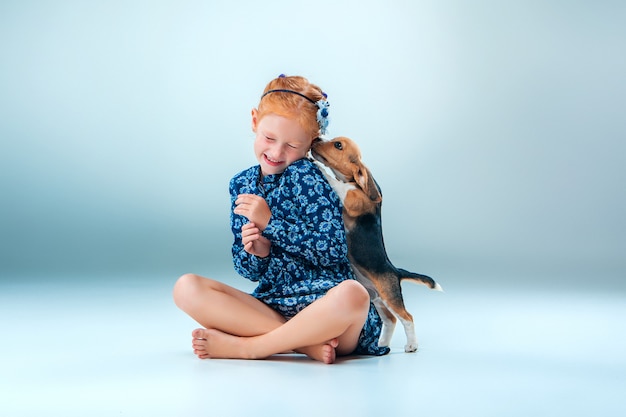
237	325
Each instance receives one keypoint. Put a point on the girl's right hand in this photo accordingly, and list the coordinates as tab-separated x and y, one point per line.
254	242
254	208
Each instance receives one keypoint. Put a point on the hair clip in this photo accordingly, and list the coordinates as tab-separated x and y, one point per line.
322	114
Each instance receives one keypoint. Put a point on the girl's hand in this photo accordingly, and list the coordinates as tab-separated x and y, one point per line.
253	242
254	208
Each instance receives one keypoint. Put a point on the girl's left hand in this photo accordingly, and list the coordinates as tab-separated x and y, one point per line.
254	208
254	242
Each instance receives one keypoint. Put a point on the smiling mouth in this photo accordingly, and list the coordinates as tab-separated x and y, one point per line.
272	162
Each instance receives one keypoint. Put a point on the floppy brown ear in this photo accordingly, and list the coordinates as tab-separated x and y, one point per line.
364	178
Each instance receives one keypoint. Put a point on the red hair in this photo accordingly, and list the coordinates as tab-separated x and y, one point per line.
292	105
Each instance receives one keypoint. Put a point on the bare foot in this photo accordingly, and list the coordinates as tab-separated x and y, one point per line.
324	353
211	343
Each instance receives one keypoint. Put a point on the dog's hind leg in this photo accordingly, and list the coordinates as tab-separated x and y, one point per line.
387	317
411	339
409	328
389	321
391	295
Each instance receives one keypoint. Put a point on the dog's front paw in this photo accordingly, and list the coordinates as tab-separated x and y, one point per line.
410	348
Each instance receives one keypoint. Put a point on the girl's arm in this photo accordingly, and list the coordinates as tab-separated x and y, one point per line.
247	265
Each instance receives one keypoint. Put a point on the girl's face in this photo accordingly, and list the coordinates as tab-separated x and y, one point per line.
279	142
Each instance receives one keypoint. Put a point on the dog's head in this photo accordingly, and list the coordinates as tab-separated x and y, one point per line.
343	157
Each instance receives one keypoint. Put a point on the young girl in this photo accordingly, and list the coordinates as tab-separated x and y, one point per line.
289	237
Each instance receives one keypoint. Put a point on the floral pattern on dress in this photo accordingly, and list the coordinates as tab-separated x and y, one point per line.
308	255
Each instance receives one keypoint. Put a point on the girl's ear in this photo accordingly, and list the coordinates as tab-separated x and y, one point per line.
255	119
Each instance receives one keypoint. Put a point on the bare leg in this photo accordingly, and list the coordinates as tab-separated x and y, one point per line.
218	306
215	305
335	320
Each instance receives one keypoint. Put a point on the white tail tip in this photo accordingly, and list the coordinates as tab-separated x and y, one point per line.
438	287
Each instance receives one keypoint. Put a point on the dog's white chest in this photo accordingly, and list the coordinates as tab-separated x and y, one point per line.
340	187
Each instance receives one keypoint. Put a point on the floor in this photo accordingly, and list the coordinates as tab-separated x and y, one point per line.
119	347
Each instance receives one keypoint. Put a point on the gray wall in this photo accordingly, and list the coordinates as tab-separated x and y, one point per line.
496	130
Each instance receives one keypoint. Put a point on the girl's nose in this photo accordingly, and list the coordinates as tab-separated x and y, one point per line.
276	152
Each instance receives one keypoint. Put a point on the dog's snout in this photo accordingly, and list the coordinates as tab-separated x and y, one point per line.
316	143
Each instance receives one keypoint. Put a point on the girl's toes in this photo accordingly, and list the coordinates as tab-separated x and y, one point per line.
199	334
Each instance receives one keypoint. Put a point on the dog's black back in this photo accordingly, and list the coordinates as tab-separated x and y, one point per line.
367	248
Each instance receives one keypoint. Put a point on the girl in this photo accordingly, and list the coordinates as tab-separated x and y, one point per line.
289	237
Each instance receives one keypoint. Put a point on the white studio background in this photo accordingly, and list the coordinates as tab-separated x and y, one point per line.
494	128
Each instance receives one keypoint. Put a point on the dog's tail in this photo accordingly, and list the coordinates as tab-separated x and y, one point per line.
420	279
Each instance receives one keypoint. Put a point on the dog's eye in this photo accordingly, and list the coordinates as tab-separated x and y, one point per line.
338	145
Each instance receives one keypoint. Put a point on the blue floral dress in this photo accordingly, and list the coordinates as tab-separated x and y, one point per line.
308	255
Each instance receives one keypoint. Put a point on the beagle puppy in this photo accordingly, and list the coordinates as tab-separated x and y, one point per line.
362	201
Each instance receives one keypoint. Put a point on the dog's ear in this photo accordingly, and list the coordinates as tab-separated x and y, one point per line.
364	178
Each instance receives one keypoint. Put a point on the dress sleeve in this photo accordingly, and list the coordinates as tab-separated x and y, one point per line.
247	265
306	220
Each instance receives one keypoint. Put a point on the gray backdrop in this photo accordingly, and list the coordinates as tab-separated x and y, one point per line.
495	129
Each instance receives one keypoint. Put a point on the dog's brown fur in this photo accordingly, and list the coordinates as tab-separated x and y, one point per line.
362	202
